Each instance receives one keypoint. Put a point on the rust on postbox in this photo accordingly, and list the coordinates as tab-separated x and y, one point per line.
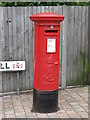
46	61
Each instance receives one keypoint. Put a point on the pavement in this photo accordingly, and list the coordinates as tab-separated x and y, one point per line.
73	103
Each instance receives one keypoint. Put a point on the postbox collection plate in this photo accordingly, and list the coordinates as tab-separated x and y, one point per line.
51	45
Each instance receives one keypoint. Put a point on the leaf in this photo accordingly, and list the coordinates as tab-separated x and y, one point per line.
38	3
15	3
4	4
10	3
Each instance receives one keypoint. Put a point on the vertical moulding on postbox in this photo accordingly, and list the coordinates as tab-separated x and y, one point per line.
46	61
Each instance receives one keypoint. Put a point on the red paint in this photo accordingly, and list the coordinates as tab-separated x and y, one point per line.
17	65
47	16
46	65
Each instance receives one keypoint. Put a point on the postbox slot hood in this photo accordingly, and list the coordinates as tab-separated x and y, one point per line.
47	16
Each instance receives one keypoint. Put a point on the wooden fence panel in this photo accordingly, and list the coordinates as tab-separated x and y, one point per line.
72	45
68	43
14	45
1	43
5	49
64	47
22	74
17	43
59	10
31	47
76	42
10	36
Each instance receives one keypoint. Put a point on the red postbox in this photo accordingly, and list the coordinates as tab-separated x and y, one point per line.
46	61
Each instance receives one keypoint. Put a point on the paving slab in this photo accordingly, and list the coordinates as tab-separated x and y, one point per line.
42	115
10	116
73	103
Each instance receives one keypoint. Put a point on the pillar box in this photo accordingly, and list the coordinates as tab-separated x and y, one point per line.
46	61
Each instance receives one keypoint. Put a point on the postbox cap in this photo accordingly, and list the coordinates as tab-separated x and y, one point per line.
47	16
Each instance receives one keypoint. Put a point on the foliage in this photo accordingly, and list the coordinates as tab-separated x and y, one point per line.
5	4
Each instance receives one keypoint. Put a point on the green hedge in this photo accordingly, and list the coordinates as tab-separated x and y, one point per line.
5	4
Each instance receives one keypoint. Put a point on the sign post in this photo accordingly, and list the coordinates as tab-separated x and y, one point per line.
18	88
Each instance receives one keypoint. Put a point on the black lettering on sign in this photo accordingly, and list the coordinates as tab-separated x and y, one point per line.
1	66
7	66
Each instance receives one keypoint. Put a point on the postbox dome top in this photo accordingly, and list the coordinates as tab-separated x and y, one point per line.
46	16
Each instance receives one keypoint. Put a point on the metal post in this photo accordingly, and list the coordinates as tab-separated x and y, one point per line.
89	60
89	43
18	89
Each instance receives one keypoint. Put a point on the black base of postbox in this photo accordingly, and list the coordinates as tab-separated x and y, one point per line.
45	101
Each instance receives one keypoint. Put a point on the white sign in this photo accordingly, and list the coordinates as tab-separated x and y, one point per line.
51	45
12	65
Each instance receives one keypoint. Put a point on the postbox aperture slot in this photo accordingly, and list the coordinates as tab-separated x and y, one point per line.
51	31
